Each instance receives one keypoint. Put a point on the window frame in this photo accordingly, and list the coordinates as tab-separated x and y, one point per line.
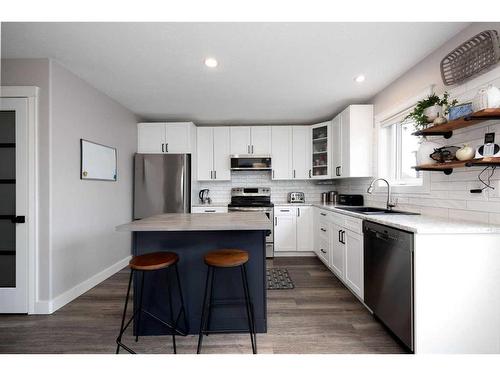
389	119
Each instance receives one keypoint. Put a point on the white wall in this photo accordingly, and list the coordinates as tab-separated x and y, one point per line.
449	196
84	213
78	243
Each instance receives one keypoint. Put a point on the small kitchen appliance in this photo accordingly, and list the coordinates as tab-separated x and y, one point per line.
296	197
204	198
350	200
490	148
333	197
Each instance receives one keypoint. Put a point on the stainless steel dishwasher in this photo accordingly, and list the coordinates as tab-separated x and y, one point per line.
388	278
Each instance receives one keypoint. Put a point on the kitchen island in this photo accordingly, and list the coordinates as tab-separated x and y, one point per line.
191	236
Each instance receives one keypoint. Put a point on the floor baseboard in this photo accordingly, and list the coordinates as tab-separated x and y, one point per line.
48	307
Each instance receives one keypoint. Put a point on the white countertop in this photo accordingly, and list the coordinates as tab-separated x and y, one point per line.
422	224
236	221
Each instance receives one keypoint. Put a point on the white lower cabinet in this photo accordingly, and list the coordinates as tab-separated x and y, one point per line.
354	261
293	228
337	251
208	210
339	244
285	228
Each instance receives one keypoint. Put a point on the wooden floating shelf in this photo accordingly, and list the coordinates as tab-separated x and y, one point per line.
447	168
446	130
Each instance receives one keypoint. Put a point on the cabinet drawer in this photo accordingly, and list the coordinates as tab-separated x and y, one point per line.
208	210
354	224
323	250
285	211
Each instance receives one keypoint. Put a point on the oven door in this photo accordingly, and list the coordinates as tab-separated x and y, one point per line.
269	211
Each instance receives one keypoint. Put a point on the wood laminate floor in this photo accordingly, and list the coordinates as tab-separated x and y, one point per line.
319	316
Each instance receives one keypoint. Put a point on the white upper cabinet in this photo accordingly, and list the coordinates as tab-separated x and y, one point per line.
222	162
165	137
356	142
320	150
250	140
301	152
261	140
336	147
205	153
151	138
281	152
240	140
212	154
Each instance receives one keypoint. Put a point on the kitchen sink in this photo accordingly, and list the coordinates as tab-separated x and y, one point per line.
376	211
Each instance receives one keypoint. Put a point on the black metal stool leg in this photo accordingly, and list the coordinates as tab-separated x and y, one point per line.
251	327
210	302
169	287
140	308
119	339
204	310
183	309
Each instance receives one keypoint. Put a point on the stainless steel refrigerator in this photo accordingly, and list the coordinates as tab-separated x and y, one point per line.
162	184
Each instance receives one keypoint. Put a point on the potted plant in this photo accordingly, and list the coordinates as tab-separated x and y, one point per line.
428	109
424	113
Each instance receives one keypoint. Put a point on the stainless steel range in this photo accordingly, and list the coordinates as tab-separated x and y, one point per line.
251	200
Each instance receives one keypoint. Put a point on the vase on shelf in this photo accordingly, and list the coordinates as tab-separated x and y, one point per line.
424	151
433	112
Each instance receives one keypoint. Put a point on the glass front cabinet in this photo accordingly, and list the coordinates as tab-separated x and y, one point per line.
321	138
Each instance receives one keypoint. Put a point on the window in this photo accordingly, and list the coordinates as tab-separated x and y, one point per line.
398	151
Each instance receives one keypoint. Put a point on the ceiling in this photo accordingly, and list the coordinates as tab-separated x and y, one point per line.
268	72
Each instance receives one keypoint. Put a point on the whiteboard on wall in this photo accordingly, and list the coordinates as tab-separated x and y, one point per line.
98	162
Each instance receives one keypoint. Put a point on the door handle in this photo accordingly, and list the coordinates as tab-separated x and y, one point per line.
252	149
298	211
163	147
322	214
294	173
323	251
309	173
285	210
323	229
18	219
248	148
339	173
273	173
209	210
215	175
211	175
275	221
166	147
340	236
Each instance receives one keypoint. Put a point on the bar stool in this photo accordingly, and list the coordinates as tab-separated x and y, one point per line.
153	262
225	258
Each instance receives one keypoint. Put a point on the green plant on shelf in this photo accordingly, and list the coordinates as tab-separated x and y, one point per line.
417	115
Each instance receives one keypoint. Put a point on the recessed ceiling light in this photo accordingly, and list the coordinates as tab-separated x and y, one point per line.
211	62
360	78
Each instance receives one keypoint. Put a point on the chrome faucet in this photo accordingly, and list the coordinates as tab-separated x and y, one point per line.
390	205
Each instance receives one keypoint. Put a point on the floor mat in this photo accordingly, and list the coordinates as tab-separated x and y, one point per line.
278	278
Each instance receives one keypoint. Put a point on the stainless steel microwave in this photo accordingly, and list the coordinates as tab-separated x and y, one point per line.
251	162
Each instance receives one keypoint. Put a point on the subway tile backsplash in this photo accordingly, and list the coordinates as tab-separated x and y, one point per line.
220	191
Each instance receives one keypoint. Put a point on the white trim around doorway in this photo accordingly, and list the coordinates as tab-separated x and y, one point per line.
31	93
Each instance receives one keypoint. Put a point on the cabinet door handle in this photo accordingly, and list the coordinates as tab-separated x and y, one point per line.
211	175
248	148
285	210
275	221
298	211
322	214
273	173
166	147
163	147
323	229
343	237
209	210
309	173
215	175
323	251
252	149
340	236
294	173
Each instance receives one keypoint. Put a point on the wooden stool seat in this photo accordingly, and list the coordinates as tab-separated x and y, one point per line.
153	261
226	258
